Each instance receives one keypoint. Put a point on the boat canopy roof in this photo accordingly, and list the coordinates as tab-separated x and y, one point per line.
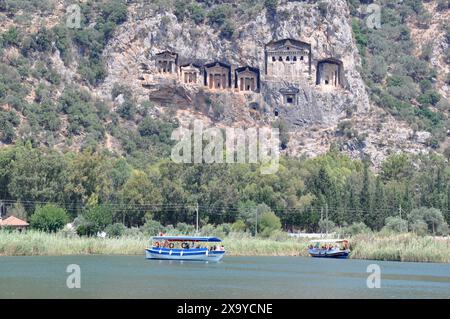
187	238
329	241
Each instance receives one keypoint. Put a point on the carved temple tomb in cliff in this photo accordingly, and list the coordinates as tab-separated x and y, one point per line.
190	73
287	58
329	72
290	95
217	75
166	62
247	79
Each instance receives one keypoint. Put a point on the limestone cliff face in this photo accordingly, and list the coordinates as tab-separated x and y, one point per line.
131	53
312	119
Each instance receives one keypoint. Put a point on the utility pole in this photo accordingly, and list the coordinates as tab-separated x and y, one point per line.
321	219
256	223
400	210
196	219
326	217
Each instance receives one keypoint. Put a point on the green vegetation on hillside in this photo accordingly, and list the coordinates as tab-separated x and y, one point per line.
400	82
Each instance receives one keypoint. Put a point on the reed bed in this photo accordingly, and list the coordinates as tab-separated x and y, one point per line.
34	243
265	247
401	247
376	246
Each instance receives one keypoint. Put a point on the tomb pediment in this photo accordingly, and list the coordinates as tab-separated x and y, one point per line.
288	45
217	64
166	55
248	70
191	67
289	90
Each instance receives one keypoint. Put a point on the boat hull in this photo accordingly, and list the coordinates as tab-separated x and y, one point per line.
324	253
184	254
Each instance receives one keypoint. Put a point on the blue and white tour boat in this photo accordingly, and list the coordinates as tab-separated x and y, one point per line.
185	248
329	248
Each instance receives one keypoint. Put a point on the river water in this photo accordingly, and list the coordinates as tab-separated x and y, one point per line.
234	277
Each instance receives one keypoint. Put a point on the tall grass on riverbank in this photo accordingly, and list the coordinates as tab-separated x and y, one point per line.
265	247
34	243
376	246
401	247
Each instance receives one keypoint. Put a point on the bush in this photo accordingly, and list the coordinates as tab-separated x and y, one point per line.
432	217
152	228
279	235
239	226
98	218
87	229
93	70
219	14
419	227
49	218
127	110
443	5
8	120
227	30
224	228
271	6
115	230
133	232
326	226
269	222
197	13
82	111
354	229
429	98
185	229
11	37
396	224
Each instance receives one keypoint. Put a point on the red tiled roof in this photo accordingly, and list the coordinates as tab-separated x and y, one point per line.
13	221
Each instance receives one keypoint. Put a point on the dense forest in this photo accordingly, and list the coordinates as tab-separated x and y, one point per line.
305	194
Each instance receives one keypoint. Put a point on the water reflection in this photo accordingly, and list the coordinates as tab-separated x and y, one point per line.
234	277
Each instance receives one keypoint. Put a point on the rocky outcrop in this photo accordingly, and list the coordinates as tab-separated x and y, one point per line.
149	32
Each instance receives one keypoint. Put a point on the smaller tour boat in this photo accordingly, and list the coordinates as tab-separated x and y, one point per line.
329	248
185	248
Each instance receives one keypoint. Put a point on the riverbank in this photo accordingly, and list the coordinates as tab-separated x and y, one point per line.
394	247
